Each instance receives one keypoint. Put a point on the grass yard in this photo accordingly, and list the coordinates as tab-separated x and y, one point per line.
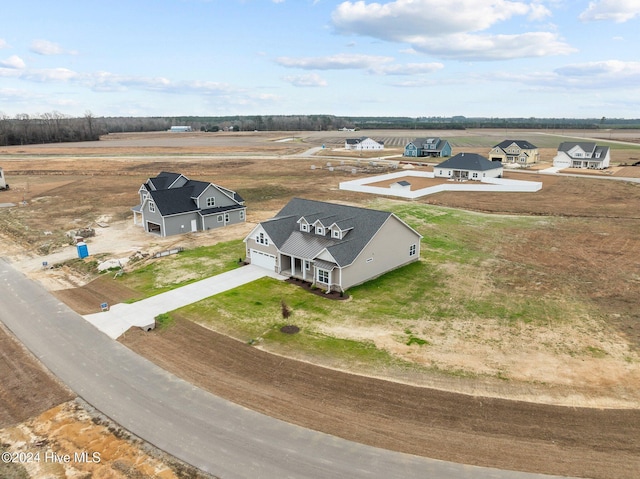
458	296
186	267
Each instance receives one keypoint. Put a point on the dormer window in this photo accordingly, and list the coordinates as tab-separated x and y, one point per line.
320	230
304	227
336	234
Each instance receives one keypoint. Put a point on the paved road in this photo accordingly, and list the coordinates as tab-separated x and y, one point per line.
120	317
193	425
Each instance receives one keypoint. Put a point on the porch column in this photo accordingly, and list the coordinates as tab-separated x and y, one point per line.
293	266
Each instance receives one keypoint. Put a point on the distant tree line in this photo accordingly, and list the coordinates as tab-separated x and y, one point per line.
54	127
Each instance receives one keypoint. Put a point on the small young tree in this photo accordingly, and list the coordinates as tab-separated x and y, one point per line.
286	311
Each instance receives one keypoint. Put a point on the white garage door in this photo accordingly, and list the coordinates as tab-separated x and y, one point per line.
264	260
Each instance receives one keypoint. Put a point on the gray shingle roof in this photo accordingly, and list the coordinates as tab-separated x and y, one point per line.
524	144
587	147
426	142
172	201
283	229
163	180
469	161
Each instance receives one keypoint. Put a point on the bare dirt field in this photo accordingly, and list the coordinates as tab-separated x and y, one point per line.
67	187
455	427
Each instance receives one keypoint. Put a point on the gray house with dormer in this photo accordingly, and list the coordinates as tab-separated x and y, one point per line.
330	245
427	147
582	154
171	204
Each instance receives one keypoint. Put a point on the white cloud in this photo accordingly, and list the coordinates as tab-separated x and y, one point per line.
494	47
51	75
45	47
407	69
619	11
377	65
14	62
607	75
310	80
3	43
334	62
450	29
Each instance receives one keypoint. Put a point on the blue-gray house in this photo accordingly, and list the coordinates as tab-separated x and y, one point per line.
171	203
428	147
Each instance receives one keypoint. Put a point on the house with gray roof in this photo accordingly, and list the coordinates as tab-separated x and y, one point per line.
582	154
520	152
468	166
330	245
171	204
428	147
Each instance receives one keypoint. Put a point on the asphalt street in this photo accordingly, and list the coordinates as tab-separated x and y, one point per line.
193	425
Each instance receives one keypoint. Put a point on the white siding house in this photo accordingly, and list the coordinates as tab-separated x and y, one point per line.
363	143
582	155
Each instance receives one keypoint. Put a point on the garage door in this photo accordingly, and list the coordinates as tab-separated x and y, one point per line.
264	260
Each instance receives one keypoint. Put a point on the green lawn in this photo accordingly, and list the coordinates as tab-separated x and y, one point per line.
177	270
457	246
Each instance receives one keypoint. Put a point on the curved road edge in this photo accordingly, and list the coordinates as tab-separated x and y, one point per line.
195	426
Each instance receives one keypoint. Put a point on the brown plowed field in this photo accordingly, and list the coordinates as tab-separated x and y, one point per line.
598	256
443	425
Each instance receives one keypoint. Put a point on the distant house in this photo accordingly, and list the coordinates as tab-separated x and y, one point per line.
515	151
179	129
582	154
3	182
468	166
171	203
428	147
363	143
332	246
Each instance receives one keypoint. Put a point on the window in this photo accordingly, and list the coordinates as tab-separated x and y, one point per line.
226	217
219	218
412	250
242	214
307	265
336	233
304	227
323	276
262	239
152	207
211	202
320	230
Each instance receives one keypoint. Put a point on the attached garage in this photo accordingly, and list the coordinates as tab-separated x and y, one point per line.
154	228
264	260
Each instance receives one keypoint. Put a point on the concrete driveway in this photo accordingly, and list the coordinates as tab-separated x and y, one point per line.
214	435
120	317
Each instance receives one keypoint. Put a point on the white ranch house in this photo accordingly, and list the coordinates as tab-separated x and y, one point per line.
468	166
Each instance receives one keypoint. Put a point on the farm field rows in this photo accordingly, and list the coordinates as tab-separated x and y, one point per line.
562	264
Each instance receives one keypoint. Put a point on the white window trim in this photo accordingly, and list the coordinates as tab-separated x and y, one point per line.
152	207
220	218
413	249
241	214
210	201
320	273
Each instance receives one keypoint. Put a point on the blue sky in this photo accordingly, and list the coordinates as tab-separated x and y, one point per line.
494	58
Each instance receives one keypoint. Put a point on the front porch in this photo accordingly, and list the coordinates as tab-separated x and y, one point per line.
319	273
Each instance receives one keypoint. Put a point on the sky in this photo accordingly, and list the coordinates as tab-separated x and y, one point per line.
415	58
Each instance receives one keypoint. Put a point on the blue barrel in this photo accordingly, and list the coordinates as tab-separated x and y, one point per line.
83	251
